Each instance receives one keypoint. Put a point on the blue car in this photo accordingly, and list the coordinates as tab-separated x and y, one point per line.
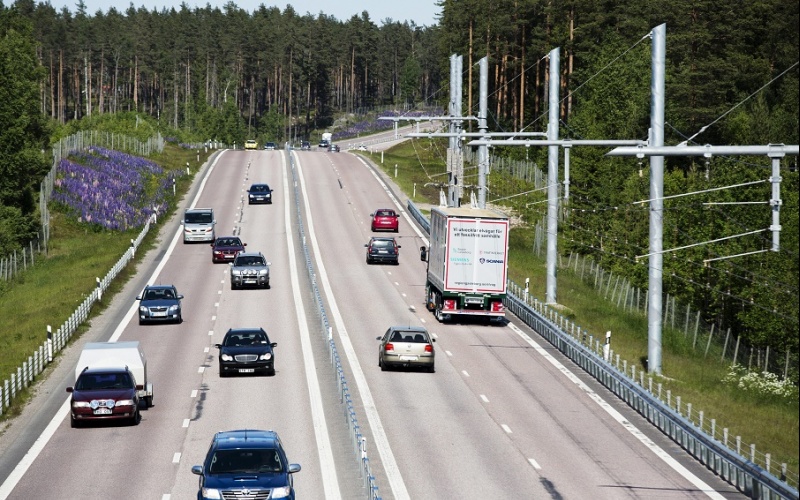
159	303
246	463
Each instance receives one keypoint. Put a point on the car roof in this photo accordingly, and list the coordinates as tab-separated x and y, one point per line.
250	254
408	329
259	184
198	210
246	438
245	330
382	238
159	287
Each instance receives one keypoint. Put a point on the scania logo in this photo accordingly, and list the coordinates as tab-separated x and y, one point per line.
490	261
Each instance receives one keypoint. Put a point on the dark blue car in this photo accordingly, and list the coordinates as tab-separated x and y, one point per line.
246	463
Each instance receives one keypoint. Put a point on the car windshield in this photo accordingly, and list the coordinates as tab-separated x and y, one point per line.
245	461
259	188
238	339
159	294
98	381
250	261
382	243
384	213
229	242
202	218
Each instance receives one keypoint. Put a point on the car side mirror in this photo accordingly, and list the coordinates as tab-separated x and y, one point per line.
69	389
378	338
218	346
138	297
180	297
274	344
197	469
423	254
399	246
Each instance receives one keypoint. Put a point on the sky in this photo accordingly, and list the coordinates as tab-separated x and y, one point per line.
421	12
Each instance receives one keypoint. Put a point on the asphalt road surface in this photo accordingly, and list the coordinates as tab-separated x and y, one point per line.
504	415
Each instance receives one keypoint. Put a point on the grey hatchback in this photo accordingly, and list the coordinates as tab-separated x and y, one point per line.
407	346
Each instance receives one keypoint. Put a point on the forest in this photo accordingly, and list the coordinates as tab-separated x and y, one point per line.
227	74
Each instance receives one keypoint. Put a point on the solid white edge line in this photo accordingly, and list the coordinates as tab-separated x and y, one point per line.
22	467
396	482
635	432
330	480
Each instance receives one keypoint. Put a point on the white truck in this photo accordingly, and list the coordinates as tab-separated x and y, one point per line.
467	263
118	355
326	140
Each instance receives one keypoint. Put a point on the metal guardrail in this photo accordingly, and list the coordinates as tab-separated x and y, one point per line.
742	473
359	442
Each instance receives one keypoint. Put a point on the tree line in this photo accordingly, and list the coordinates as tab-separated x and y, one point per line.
226	73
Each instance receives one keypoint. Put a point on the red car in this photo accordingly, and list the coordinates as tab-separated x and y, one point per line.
385	219
226	248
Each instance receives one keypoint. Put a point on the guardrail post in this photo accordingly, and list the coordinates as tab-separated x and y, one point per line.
99	289
49	344
133	249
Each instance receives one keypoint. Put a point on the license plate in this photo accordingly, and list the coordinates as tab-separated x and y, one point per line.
250	282
408	358
103	411
247	370
383	251
159	314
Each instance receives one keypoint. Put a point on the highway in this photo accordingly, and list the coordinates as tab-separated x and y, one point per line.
503	416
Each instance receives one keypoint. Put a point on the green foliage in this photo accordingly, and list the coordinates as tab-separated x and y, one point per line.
23	131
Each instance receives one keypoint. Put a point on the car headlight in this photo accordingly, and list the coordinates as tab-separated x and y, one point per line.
281	492
226	357
80	404
263	272
174	308
212	493
235	272
266	357
143	309
124	402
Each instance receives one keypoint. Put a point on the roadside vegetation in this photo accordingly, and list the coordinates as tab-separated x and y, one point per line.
80	251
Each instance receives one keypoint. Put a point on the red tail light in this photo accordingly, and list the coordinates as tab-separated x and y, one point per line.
389	347
449	305
498	306
428	348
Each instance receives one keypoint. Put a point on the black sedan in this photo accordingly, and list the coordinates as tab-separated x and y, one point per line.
159	303
246	350
259	193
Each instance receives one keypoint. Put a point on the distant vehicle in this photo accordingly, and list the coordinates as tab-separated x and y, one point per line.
110	382
362	147
259	193
406	346
385	219
198	225
250	144
159	303
305	146
250	269
334	148
246	464
246	350
326	140
226	248
270	146
383	250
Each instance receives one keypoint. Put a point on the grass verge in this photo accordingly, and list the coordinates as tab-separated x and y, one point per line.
48	292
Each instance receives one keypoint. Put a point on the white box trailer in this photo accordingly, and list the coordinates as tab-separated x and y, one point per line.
467	262
118	355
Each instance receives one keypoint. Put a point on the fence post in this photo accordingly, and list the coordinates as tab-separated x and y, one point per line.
725	345
49	344
708	344
736	349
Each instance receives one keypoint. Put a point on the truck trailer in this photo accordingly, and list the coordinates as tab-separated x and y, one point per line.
118	355
467	263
